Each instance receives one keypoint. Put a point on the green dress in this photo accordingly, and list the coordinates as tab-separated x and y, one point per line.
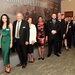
5	45
0	37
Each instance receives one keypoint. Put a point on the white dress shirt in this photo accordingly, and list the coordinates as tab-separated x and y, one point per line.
16	28
73	22
33	33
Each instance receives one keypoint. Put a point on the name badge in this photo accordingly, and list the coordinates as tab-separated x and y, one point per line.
7	29
24	27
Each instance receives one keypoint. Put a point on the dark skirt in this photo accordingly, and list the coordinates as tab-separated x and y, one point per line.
30	48
66	36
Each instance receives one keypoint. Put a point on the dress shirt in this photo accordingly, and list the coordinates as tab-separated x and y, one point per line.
17	28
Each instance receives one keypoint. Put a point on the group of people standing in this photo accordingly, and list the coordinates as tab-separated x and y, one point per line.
24	34
61	33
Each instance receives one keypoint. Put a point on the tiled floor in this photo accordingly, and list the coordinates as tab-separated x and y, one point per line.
63	65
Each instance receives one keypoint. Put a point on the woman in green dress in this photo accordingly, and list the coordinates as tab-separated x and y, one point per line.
0	37
6	40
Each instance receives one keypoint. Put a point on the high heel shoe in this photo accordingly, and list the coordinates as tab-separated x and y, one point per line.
66	48
7	69
32	61
39	58
42	58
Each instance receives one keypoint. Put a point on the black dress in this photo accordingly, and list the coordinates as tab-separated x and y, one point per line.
66	29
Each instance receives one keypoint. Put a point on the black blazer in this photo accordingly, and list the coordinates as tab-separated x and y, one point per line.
24	31
62	27
73	26
70	30
51	27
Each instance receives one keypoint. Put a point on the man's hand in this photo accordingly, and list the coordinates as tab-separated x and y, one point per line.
26	43
53	32
69	26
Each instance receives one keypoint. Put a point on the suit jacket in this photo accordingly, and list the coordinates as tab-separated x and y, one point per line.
70	29
62	28
73	26
51	27
23	33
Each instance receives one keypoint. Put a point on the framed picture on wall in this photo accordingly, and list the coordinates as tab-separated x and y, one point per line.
68	13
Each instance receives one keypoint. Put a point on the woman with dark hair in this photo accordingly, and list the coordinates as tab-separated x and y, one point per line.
32	39
41	37
0	38
6	40
65	39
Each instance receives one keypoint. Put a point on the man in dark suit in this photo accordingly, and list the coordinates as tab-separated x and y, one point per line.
21	37
73	31
53	30
61	32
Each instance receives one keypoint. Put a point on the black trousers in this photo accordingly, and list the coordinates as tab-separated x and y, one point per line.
52	43
22	52
60	43
30	48
74	38
69	38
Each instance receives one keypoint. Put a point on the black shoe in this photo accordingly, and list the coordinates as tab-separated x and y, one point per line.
57	55
59	52
18	65
48	55
42	58
24	66
69	47
30	61
39	58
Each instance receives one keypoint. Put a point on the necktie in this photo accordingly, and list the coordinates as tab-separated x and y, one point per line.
18	28
54	21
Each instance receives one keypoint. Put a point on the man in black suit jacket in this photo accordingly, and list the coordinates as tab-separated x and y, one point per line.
73	31
21	37
61	32
53	30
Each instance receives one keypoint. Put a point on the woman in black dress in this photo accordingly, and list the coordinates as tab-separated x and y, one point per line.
65	39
